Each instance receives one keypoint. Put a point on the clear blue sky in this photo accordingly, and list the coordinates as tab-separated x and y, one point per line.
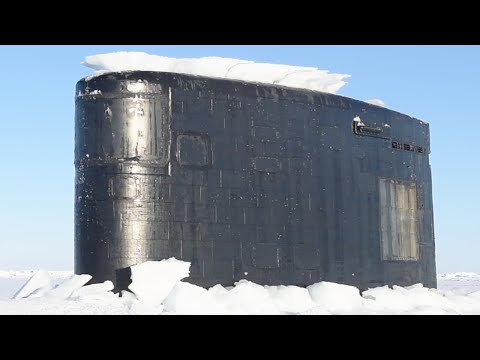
438	84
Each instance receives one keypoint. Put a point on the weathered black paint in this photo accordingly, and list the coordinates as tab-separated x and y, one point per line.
245	181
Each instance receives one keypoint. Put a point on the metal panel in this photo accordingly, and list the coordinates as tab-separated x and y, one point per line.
398	204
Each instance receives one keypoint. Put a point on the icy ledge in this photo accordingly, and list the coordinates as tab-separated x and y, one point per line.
310	78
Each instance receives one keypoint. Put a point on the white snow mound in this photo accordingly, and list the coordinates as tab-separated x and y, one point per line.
102	291
290	299
335	297
188	299
246	298
40	282
310	78
152	281
66	288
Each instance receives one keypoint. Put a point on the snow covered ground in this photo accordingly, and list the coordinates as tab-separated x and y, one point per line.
64	293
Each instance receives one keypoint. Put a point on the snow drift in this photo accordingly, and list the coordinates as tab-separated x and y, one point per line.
310	78
157	288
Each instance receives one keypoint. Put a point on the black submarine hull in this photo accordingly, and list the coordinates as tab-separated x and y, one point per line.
275	185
